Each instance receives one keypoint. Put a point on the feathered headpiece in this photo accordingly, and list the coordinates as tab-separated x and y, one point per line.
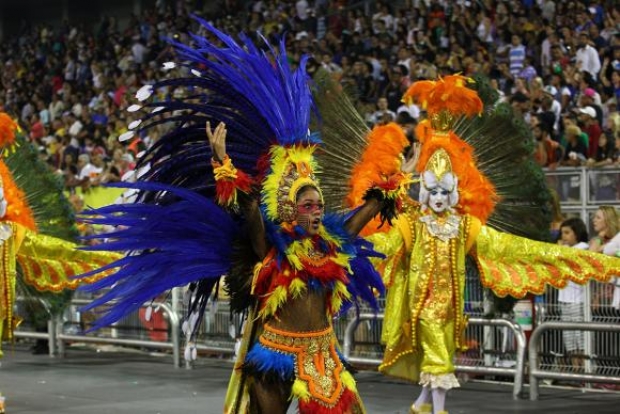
292	169
266	107
446	101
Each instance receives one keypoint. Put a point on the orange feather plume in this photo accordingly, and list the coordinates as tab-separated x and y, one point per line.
7	131
449	93
18	210
381	159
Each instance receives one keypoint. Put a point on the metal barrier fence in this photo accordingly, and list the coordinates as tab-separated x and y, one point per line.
496	345
168	308
581	351
475	367
534	358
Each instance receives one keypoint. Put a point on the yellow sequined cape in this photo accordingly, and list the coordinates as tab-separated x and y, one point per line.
47	263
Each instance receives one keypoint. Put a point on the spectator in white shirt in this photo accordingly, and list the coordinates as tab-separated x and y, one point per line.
587	57
573	233
383	114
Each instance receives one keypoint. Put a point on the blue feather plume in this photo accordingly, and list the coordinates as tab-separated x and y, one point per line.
267	361
170	245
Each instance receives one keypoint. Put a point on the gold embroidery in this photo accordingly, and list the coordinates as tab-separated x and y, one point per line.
316	360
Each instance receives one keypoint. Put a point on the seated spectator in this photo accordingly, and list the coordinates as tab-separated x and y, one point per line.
548	152
605	152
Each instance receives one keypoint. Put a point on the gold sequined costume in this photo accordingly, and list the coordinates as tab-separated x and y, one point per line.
425	276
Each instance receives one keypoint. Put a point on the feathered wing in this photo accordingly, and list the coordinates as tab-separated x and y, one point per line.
355	157
43	190
514	266
343	132
169	245
48	257
502	147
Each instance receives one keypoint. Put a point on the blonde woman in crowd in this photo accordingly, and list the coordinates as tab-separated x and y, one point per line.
606	227
606	223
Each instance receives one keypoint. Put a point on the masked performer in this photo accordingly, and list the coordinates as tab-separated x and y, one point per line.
428	245
32	261
289	263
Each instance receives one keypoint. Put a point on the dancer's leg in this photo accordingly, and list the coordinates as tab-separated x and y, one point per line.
269	397
423	403
439	400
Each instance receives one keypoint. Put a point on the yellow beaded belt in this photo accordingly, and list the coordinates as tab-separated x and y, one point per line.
316	361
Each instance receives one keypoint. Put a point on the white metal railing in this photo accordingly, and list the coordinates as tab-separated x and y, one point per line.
516	372
537	373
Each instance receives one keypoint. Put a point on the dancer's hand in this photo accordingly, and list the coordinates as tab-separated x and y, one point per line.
411	161
217	140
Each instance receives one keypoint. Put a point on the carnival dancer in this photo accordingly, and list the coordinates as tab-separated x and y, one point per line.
46	263
289	263
428	245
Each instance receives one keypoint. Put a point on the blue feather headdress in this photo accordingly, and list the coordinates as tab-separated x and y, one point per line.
174	232
254	91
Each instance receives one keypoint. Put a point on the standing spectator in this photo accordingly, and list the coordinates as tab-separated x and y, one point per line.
87	172
138	50
590	125
516	56
56	107
590	97
587	58
606	225
383	114
562	92
573	233
547	8
607	241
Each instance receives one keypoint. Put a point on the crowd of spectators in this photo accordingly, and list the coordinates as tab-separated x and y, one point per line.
556	62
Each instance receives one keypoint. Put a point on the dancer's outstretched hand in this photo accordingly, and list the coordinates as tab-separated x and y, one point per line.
217	140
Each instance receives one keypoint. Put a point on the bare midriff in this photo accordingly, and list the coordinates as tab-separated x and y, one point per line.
307	312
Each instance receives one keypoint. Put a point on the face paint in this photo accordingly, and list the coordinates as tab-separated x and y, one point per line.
310	211
438	199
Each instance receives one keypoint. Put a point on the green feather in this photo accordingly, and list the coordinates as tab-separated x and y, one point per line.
53	216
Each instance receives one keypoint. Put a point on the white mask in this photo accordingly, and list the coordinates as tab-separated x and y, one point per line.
438	199
439	195
3	203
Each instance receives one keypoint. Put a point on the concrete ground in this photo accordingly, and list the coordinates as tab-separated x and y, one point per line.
88	381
